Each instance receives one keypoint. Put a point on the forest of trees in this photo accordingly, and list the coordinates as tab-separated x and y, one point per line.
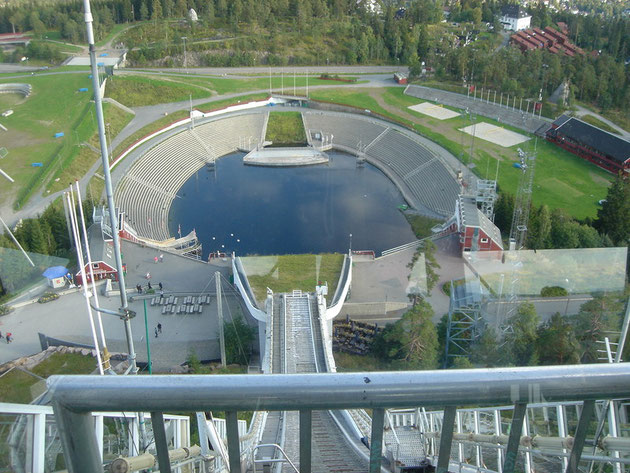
342	31
414	342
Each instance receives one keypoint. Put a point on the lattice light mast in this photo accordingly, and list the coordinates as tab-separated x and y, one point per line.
523	200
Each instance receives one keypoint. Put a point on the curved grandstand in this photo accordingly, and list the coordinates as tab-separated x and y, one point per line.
146	191
22	89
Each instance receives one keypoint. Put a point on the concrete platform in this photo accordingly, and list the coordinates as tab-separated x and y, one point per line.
285	157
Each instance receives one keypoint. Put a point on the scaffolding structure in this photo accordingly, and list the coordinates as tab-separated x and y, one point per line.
486	196
465	318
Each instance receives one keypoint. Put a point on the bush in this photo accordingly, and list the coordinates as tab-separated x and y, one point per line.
48	297
5	309
553	291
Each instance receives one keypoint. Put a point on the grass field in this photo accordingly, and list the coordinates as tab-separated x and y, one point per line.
55	105
286	128
285	273
18	386
81	159
561	180
150	89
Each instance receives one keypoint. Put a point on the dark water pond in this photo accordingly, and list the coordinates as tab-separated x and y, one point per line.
313	209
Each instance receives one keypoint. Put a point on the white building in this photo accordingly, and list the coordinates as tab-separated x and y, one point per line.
514	18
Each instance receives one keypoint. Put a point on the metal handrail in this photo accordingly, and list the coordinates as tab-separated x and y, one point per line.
325	391
75	397
273	460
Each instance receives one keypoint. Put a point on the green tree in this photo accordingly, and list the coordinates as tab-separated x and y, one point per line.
144	11
556	343
411	342
485	350
503	211
156	10
239	337
596	318
613	219
520	347
539	233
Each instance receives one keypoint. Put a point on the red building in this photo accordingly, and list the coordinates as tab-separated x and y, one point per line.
102	254
603	149
400	78
476	231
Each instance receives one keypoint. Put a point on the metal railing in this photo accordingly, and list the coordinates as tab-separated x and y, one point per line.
76	397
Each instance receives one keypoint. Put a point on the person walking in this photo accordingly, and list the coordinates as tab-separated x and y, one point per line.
149	285
9	337
160	284
156	333
155	259
139	288
161	258
159	327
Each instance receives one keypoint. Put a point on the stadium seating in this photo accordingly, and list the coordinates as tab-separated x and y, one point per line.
426	177
147	190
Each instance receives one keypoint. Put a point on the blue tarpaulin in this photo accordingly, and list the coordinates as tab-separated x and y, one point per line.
59	135
83	89
55	272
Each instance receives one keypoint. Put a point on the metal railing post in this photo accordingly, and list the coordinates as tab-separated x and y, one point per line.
516	428
234	447
305	440
580	436
39	443
446	439
376	441
80	449
161	444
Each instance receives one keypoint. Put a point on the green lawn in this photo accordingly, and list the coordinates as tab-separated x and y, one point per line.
149	89
347	363
55	105
20	387
78	162
286	128
561	179
135	91
285	273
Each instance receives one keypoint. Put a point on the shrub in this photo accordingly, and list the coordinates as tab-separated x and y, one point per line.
553	291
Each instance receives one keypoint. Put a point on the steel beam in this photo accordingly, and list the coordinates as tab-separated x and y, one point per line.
307	391
234	446
446	439
80	449
580	436
305	440
376	440
161	444
518	416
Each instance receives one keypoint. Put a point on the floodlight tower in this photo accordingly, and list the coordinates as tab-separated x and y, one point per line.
523	200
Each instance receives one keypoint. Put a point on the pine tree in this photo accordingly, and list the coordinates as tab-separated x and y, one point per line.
556	343
144	11
613	219
156	10
520	346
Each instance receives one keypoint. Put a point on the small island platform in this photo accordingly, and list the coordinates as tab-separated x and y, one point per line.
285	157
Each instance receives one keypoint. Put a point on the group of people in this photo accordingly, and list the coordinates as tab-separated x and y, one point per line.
8	337
159	258
149	287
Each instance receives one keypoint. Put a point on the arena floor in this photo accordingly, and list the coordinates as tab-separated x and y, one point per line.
434	111
495	134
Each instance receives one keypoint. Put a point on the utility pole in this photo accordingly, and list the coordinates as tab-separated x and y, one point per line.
184	38
124	313
217	280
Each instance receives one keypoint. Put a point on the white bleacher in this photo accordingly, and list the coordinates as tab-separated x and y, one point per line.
348	131
147	190
424	174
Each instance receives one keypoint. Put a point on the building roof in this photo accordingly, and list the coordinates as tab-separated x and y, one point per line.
100	250
514	11
607	143
471	216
